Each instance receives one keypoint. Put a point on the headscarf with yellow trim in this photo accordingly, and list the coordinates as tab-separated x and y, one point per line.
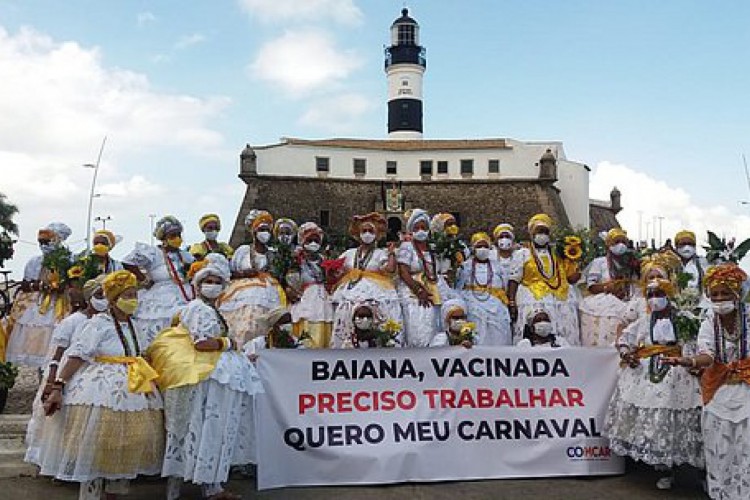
116	283
613	234
166	225
729	274
56	232
666	263
479	237
284	222
376	219
440	221
263	217
450	306
665	285
205	219
501	228
108	235
414	216
538	220
685	234
92	286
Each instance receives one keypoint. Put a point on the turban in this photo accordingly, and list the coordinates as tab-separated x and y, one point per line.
214	264
93	286
543	220
209	218
415	216
501	228
283	222
439	221
109	235
117	282
269	320
261	218
481	236
165	225
613	234
450	306
666	262
56	231
685	234
535	311
250	217
728	273
307	230
374	218
662	284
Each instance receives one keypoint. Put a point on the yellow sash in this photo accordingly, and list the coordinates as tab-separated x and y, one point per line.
498	293
354	275
719	374
176	360
261	280
648	351
61	304
140	373
430	286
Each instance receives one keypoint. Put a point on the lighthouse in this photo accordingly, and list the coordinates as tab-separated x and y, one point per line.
405	64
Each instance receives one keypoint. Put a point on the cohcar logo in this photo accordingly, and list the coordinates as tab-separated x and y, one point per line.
588	453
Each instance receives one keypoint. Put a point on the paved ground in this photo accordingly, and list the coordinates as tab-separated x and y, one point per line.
638	484
23	392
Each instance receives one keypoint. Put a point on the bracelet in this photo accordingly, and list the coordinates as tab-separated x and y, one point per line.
693	363
59	381
54	363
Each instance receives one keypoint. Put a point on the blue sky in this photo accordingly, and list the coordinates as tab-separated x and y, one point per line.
652	95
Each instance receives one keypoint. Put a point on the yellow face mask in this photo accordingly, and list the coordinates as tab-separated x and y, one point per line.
127	306
100	249
175	241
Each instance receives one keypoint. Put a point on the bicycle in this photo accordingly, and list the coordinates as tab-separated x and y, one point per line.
6	293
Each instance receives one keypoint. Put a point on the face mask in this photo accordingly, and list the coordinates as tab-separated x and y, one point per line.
285	239
618	249
263	236
174	241
421	235
211	235
211	290
722	308
543	328
46	248
541	239
100	249
367	238
504	243
457	324
127	306
313	246
99	305
363	323
658	303
686	251
482	253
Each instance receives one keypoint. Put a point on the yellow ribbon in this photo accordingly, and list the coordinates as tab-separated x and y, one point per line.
355	275
140	373
174	356
431	287
649	351
498	293
261	280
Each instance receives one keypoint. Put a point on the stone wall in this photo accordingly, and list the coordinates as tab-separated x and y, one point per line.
480	204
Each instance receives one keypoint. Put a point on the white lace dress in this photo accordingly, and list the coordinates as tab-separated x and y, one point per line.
726	419
381	292
211	425
601	313
247	299
313	313
420	323
108	431
170	292
476	283
657	422
41	427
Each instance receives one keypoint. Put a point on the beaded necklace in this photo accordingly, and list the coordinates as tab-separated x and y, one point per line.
540	268
314	267
360	263
175	275
123	341
484	295
430	272
739	336
656	369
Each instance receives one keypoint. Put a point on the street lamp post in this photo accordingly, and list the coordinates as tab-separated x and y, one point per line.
91	193
103	220
151	218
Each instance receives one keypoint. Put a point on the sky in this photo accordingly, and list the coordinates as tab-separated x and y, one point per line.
651	95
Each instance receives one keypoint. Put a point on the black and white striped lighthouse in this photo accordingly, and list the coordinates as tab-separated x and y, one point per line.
405	64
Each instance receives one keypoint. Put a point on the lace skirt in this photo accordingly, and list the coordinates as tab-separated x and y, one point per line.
244	310
420	323
346	300
30	338
564	313
158	305
491	317
210	428
600	316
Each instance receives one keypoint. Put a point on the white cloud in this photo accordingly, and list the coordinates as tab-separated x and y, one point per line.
189	40
645	198
303	61
145	18
341	11
337	115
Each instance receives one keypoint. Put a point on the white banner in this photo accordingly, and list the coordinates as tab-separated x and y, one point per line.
393	415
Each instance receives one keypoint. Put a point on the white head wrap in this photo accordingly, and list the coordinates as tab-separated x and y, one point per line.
537	309
417	215
60	229
451	305
165	225
218	266
250	217
268	320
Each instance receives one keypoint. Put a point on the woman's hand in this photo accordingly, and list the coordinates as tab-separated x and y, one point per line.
678	361
54	402
424	297
468	344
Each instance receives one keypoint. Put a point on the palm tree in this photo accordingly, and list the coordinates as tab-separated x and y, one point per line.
7	228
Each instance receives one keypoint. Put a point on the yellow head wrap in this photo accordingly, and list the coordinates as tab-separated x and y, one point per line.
195	267
728	274
281	223
376	219
438	222
684	234
502	228
540	220
613	234
209	218
262	218
117	282
481	236
662	284
109	235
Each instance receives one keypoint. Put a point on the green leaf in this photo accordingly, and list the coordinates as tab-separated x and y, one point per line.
741	250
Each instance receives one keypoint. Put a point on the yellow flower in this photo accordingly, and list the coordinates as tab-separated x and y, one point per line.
573	252
573	240
468	328
392	326
75	272
451	230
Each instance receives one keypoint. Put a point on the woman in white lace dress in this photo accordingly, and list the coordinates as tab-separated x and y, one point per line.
114	425
369	276
655	412
254	291
162	273
723	351
208	404
507	254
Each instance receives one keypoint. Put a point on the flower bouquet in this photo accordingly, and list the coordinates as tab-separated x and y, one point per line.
467	333
57	263
576	246
334	270
687	318
387	334
720	250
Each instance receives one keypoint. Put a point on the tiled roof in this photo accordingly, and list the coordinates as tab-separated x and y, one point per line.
402	145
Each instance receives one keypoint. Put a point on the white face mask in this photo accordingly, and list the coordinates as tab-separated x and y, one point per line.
724	307
363	323
505	243
482	253
543	328
286	239
367	238
211	235
421	235
263	236
99	305
618	249
313	246
46	248
686	251
541	239
211	290
455	325
658	303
